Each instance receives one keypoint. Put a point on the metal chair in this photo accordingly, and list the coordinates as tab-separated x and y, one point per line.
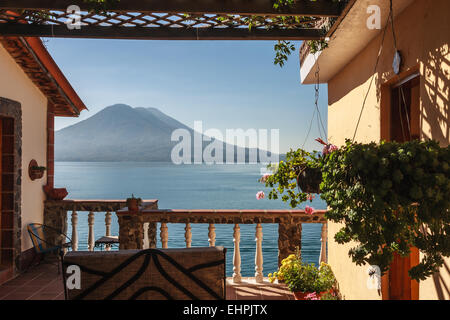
47	240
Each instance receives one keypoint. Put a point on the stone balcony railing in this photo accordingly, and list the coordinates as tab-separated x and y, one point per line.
138	229
56	215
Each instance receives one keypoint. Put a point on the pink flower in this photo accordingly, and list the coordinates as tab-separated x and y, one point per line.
329	148
260	195
264	177
309	210
312	296
310	197
332	148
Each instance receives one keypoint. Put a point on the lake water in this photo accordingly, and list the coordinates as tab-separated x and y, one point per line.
186	187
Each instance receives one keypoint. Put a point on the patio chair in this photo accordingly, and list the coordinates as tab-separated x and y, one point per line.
47	240
151	274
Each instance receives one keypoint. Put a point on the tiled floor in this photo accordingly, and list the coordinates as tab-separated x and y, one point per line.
44	283
39	283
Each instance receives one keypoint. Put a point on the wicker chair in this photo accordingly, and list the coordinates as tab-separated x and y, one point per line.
151	274
47	240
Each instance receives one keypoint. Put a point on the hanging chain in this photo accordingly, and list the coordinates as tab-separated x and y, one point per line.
391	15
316	103
380	51
316	109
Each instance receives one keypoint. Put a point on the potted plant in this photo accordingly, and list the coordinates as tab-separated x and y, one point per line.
35	171
309	175
133	203
306	281
298	177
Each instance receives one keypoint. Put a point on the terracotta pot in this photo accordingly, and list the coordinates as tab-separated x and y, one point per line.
309	179
36	174
302	295
59	194
55	194
133	204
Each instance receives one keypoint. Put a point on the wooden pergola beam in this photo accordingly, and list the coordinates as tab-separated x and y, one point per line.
318	8
158	33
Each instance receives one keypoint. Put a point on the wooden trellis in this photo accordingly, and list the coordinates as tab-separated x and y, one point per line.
170	19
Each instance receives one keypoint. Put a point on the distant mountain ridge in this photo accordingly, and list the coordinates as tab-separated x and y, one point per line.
122	133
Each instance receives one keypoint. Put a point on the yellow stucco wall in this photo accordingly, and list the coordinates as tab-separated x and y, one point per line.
15	85
423	38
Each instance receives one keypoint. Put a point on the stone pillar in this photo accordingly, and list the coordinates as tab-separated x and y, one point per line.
56	217
50	145
289	238
131	230
152	231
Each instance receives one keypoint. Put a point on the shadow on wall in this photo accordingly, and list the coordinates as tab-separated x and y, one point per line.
435	120
440	284
435	95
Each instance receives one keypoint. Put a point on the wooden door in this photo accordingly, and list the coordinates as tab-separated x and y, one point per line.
1	174
404	125
7	186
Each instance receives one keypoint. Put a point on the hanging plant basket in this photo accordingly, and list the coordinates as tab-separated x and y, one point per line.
35	171
309	179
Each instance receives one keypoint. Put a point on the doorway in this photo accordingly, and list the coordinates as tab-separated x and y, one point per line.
400	122
6	192
405	110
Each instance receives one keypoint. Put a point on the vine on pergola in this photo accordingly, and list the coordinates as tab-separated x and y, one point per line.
283	48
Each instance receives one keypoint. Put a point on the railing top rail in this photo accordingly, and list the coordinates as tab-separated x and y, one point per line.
231	211
95	200
94	205
227	216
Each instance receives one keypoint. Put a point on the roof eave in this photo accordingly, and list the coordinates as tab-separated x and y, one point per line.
349	37
49	66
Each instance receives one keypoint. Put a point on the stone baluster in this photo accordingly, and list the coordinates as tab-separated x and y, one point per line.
108	228
108	224
145	238
188	235
259	255
74	230
91	236
237	254
212	235
324	242
164	235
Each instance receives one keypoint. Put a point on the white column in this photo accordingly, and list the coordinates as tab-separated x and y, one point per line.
323	245
108	228
91	236
108	223
212	235
164	235
237	255
74	230
259	255
188	235
145	240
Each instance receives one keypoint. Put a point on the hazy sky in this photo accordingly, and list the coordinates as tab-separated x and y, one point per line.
226	84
